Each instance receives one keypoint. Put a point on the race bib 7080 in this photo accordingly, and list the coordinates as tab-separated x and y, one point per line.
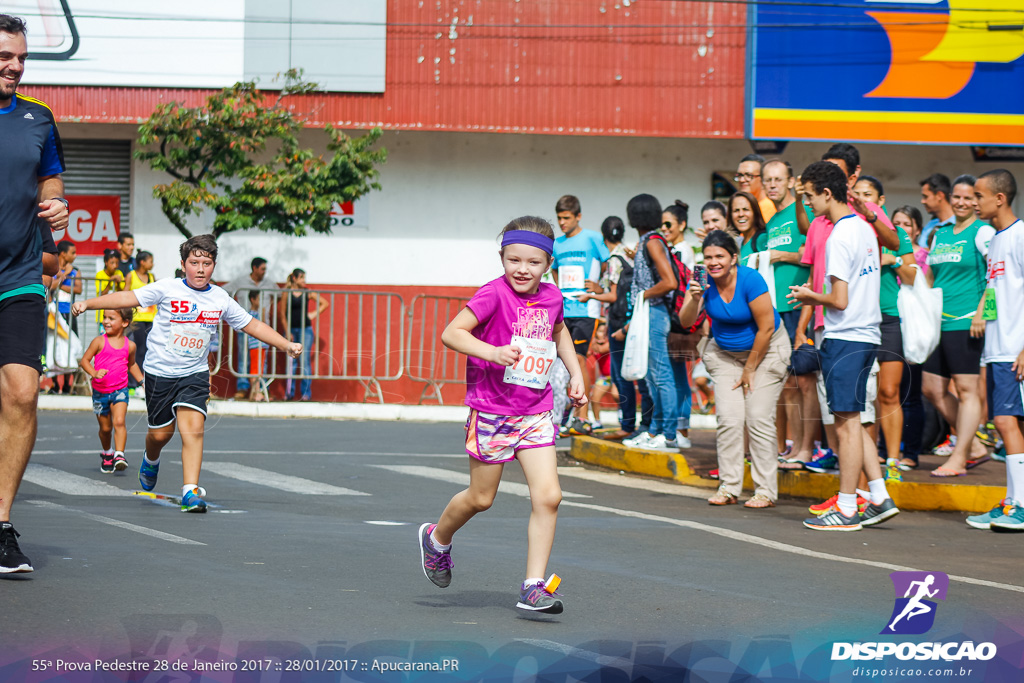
188	341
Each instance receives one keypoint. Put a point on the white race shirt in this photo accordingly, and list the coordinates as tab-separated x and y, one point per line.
186	319
852	255
1004	336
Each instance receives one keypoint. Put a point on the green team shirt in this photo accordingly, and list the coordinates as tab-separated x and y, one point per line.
890	288
759	243
958	261
784	235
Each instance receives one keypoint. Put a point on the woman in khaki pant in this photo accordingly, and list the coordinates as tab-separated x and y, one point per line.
748	358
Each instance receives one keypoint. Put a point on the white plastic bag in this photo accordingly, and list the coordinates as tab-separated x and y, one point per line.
638	341
920	309
63	347
761	261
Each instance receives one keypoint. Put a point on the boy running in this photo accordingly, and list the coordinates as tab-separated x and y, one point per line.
176	372
998	319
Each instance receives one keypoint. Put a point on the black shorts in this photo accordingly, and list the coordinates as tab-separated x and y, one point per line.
23	331
891	348
582	331
164	395
958	353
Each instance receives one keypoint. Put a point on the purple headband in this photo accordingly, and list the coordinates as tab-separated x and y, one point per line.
533	239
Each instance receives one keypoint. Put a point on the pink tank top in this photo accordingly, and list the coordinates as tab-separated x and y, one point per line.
115	362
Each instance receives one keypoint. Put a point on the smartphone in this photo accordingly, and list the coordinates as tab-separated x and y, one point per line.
701	273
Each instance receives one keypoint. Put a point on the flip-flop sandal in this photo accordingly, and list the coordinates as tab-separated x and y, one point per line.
907	467
971	464
791	464
943	473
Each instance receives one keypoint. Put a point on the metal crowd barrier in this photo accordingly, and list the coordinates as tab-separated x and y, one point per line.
369	337
427	359
357	337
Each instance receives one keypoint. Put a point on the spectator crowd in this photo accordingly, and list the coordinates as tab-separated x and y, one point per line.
788	311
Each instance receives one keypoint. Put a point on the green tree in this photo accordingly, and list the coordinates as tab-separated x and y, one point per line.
239	155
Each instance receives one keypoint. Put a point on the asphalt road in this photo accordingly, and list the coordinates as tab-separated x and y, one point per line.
309	560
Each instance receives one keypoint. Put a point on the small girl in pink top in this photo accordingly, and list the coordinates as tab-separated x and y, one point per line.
108	360
510	331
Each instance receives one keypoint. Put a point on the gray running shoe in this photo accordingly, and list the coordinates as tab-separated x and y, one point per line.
536	598
876	514
437	565
834	521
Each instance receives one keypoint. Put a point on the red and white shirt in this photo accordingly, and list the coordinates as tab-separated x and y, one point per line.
186	320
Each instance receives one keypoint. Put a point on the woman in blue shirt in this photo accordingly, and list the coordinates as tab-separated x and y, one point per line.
747	357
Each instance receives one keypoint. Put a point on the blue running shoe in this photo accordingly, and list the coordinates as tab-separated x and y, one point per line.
1011	520
999	454
193	501
148	474
984	520
824	461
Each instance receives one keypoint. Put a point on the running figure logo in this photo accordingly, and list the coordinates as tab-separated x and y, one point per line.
914	612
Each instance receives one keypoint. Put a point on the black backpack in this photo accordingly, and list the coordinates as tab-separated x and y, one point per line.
621	309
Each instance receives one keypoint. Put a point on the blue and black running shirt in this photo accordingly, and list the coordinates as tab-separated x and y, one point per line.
30	149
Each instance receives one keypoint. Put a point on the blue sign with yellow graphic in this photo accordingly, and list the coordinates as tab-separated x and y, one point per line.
917	71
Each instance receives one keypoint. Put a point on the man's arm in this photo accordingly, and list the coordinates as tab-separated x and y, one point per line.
51	210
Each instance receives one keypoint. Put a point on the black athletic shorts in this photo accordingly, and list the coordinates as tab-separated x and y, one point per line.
23	330
582	331
891	348
958	353
164	395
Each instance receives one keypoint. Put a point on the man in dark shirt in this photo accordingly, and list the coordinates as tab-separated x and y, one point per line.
126	245
31	194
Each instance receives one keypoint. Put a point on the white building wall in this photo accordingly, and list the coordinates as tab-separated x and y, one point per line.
446	196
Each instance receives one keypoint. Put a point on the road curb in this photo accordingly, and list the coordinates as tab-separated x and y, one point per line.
327	411
907	495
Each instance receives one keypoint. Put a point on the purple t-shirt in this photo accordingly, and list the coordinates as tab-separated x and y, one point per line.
503	313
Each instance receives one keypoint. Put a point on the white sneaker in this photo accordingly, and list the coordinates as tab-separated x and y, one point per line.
640	441
656	443
683	441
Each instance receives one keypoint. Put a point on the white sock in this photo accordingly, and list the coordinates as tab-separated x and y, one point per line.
866	495
121	453
188	487
438	546
107	451
847	503
532	582
1015	478
150	462
878	492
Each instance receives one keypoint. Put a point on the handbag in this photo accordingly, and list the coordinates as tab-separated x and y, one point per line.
683	345
634	356
920	307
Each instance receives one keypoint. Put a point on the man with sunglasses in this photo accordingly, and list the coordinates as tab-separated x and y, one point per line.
748	179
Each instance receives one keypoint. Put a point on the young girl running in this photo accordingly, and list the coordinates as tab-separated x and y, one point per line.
511	331
108	360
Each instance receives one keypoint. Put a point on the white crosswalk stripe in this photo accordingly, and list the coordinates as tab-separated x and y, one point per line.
70	484
162	535
281	482
462	479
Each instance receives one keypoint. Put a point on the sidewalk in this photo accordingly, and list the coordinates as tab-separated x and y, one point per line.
983	487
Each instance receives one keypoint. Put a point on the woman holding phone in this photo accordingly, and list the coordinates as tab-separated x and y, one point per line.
747	358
